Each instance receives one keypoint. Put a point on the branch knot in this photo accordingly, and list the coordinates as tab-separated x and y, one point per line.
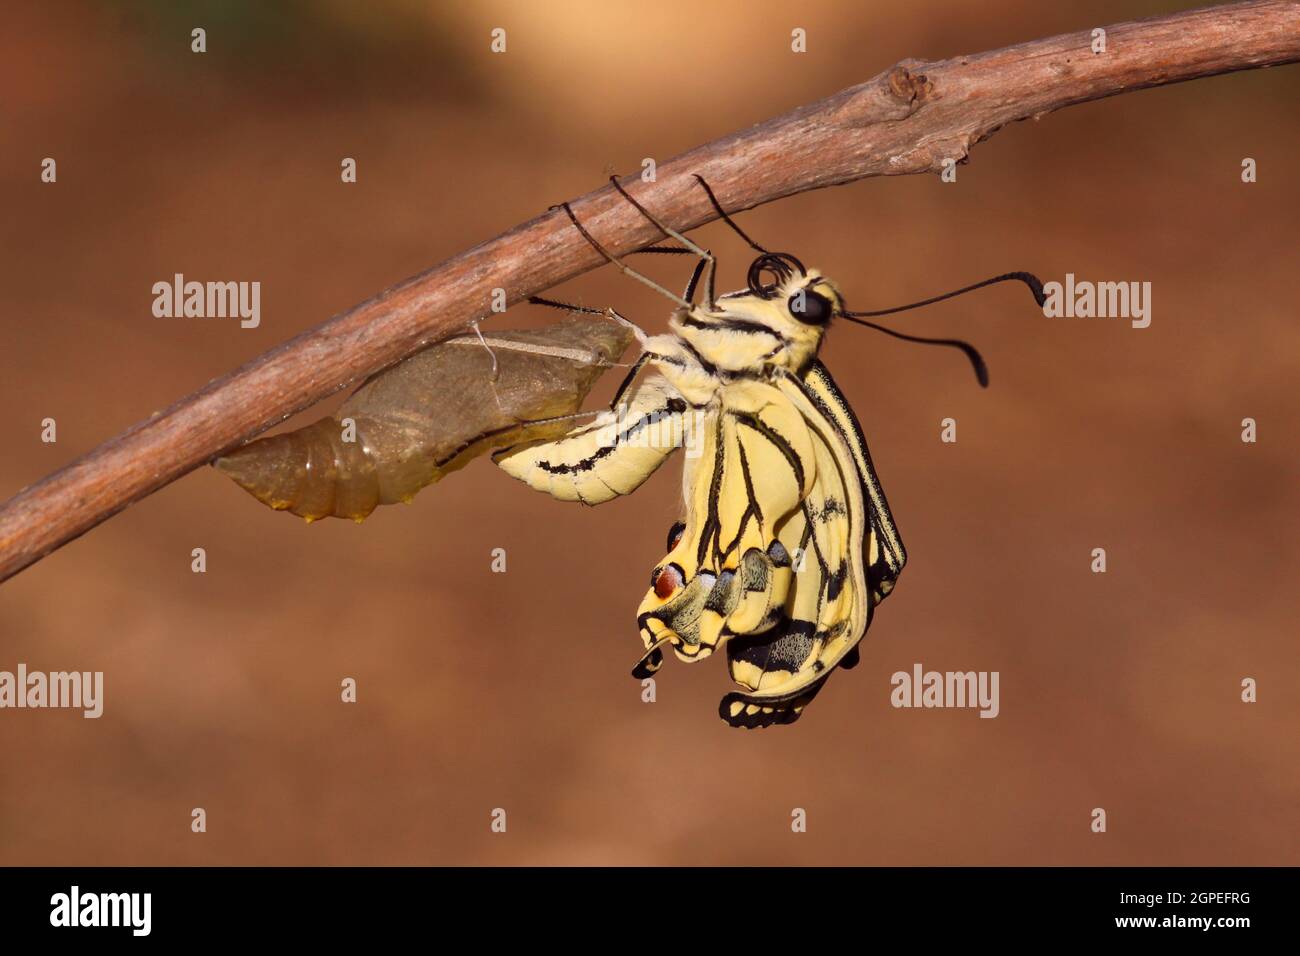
912	88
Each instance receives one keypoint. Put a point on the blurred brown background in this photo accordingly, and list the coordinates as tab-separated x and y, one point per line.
480	690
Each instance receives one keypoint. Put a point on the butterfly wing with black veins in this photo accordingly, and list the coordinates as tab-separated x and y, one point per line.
772	557
609	456
731	571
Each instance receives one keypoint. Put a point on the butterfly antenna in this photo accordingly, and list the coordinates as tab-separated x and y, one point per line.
1035	286
977	361
972	353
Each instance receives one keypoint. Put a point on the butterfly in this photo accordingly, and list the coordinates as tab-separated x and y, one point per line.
787	544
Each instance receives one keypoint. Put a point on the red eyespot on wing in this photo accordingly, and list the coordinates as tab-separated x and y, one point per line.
668	580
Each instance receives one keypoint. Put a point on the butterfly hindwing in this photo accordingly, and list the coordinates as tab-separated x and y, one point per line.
771	558
728	572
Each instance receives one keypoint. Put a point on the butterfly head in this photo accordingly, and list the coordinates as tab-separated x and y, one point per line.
778	319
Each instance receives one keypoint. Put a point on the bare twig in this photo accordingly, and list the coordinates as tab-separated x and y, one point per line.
908	119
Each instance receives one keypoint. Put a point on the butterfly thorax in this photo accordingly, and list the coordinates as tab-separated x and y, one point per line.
779	325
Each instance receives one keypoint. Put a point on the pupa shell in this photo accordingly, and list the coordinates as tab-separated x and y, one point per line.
429	415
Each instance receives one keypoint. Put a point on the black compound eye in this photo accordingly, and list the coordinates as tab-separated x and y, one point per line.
810	308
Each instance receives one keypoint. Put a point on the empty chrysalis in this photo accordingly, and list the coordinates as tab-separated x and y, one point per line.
431	414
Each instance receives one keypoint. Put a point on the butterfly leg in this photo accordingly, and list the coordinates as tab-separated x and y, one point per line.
717	206
707	265
689	294
612	314
619	264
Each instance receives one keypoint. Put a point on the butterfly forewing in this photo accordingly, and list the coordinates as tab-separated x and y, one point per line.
826	613
885	554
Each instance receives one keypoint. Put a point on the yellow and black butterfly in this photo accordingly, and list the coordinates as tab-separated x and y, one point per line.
787	543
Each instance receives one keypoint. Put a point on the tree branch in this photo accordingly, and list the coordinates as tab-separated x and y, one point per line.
908	119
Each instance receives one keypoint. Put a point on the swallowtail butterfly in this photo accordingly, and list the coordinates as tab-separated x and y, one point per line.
787	543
